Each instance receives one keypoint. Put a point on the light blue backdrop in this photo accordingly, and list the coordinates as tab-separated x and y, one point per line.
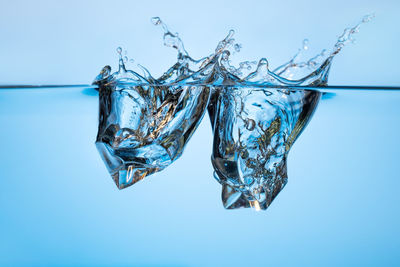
58	204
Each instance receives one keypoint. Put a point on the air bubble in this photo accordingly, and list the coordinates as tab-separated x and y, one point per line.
249	124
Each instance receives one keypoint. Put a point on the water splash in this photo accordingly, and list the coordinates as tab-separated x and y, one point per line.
217	68
145	122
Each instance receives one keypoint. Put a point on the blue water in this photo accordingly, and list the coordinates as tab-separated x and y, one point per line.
59	205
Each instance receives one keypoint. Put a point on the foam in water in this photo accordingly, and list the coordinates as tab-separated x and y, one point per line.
145	123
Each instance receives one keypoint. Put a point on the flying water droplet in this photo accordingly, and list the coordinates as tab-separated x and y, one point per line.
305	44
249	124
156	20
237	47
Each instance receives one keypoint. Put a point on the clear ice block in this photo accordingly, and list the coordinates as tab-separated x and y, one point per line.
144	128
254	129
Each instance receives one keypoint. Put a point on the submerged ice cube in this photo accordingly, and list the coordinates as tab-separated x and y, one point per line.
254	129
144	128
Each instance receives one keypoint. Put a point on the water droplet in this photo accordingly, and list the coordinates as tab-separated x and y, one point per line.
368	18
305	44
237	47
119	50
156	20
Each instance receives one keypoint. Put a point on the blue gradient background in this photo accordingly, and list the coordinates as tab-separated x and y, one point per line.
59	206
